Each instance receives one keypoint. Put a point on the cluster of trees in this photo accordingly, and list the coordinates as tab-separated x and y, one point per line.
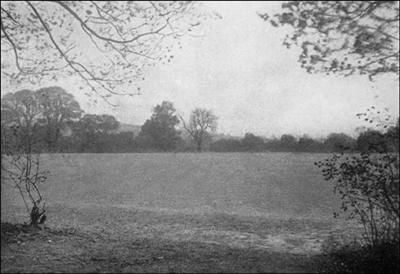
51	120
369	140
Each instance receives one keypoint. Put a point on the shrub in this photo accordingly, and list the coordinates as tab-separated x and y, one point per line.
368	185
21	165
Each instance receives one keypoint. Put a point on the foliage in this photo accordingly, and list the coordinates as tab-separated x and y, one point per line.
368	185
107	45
371	140
337	142
44	112
288	142
92	123
21	108
201	123
392	137
308	144
343	37
159	132
226	145
384	136
250	142
91	129
57	107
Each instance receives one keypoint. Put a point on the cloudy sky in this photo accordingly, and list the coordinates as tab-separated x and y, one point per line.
241	71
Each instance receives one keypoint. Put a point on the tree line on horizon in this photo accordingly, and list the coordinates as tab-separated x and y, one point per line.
54	122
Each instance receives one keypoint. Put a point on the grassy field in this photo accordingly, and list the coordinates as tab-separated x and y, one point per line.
209	212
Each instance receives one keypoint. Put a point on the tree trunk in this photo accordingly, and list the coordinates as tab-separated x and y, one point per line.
198	146
36	216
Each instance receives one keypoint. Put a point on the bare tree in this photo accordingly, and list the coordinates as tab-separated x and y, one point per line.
201	123
106	44
20	149
23	169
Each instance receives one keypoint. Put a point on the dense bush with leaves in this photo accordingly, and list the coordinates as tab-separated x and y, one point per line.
368	185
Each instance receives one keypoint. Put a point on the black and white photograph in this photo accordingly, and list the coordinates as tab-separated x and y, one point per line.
200	136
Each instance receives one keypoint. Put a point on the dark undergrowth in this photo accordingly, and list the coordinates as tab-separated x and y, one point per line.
357	258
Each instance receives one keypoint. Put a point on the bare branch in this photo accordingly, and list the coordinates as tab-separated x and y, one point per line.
14	47
84	25
70	62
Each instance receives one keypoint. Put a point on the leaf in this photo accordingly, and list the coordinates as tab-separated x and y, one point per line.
273	23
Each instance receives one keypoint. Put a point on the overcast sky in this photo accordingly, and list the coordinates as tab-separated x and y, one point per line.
241	71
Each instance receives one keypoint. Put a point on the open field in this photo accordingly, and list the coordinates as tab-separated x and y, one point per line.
210	212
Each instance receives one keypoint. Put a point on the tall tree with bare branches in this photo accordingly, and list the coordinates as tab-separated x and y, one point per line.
107	45
201	123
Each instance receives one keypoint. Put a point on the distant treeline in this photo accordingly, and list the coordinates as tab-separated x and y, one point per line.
86	136
370	140
50	120
103	142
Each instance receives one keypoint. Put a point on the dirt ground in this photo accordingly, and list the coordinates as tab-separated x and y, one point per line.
104	239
